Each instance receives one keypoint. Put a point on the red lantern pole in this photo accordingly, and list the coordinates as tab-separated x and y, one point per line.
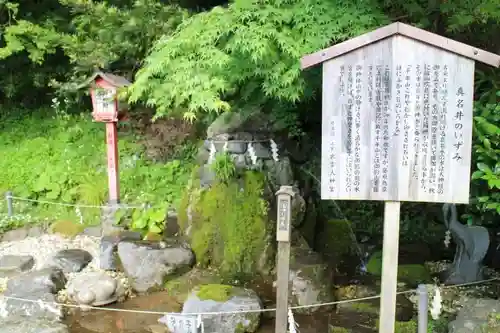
113	172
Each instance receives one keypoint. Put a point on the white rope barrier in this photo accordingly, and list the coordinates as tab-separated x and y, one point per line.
67	204
230	312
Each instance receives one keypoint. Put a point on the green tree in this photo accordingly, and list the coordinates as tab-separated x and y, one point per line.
246	52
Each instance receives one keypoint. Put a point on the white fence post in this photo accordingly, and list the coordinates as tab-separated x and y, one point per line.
423	308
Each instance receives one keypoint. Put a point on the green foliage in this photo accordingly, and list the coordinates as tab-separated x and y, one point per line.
165	184
248	51
224	167
486	145
229	224
83	35
62	158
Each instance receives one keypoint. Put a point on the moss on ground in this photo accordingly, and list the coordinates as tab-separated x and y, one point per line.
229	224
336	329
412	274
215	292
66	228
403	326
364	307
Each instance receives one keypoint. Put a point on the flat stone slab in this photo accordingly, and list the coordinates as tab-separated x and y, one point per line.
11	265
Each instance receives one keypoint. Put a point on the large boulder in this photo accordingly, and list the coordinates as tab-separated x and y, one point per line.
40	287
477	316
71	260
148	264
95	289
223	298
310	279
11	265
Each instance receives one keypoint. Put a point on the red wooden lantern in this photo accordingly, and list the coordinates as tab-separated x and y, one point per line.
107	109
103	91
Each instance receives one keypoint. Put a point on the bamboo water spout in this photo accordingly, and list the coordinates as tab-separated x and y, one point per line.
472	245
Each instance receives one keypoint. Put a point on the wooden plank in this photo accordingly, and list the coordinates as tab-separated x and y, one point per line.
406	30
283	272
283	229
397	124
389	267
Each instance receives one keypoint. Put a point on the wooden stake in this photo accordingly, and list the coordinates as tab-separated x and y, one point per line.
389	267
283	227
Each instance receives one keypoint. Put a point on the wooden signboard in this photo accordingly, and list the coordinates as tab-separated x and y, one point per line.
397	126
397	116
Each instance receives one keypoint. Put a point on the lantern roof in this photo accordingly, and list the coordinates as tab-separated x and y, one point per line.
401	29
112	79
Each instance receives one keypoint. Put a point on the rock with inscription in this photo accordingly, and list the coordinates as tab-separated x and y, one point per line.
148	263
95	289
11	265
72	260
221	298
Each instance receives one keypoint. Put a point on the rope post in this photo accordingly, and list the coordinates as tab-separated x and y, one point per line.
423	308
10	206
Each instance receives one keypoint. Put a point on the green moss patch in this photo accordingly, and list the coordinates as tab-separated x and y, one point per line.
363	307
215	292
335	239
336	329
412	274
403	326
181	286
67	228
229	224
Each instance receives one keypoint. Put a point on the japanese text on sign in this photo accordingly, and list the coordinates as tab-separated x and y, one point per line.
398	129
178	323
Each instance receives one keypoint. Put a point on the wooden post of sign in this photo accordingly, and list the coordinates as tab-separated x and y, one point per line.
112	154
389	266
283	231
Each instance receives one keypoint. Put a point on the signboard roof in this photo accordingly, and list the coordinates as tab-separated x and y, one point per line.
409	31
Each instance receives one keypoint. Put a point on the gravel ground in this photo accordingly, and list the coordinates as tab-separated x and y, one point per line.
44	247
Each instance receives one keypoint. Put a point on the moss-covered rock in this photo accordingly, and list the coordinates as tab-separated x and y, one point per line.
216	292
228	225
412	274
222	298
311	279
66	228
181	286
335	238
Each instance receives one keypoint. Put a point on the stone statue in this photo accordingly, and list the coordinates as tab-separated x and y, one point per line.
472	245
